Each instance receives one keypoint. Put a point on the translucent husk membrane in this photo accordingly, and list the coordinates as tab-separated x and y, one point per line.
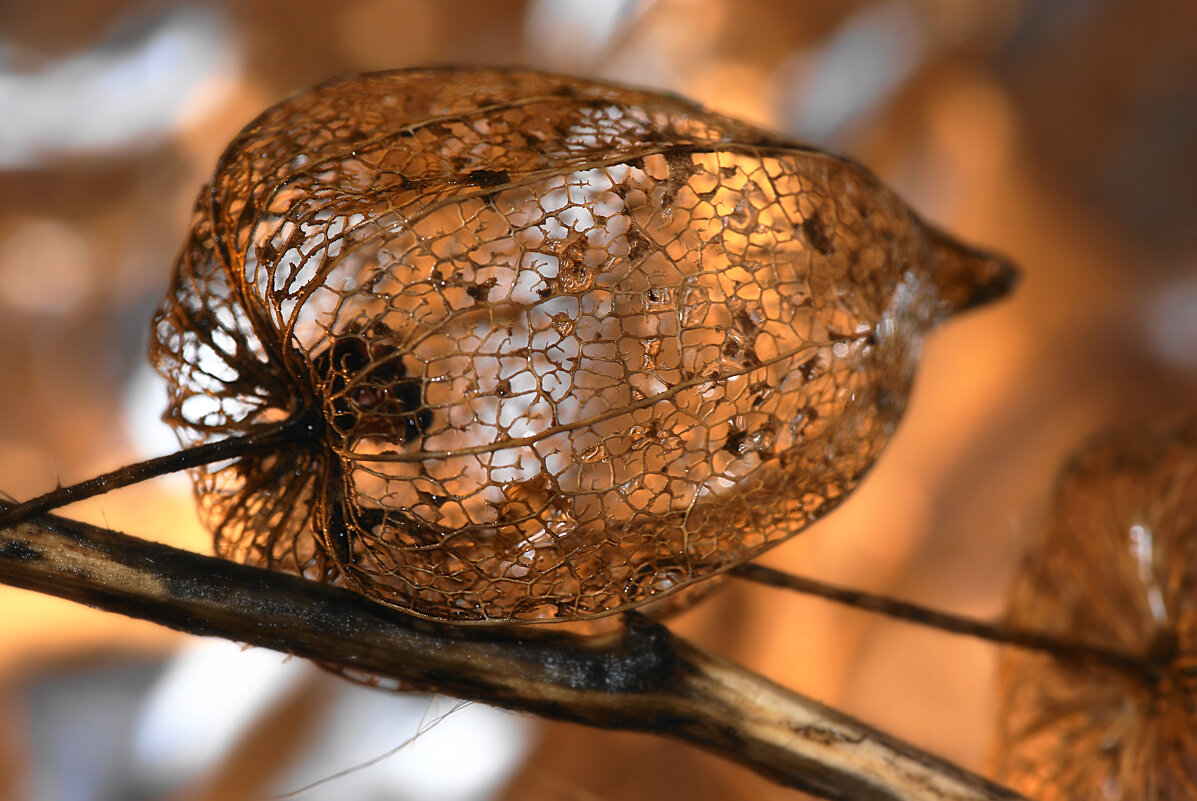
1116	566
565	346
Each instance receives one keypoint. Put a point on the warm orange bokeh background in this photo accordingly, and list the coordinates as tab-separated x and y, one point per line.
1063	133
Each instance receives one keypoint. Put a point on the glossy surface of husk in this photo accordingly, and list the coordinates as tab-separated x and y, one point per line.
565	347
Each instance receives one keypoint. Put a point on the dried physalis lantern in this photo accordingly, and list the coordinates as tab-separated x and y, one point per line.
1116	567
560	347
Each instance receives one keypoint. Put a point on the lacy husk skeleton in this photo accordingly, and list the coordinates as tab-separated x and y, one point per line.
564	347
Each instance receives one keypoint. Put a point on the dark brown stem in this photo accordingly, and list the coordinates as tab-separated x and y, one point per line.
640	678
260	441
945	621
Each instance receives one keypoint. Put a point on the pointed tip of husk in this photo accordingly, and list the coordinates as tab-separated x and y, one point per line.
968	277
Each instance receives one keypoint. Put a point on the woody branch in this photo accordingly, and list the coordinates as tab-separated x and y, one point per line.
641	678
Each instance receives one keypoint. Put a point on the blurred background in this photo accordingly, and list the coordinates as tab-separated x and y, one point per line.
1062	132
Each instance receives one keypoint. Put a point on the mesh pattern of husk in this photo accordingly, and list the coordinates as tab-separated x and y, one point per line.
564	347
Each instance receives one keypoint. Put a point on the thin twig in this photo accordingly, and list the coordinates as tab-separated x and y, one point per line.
259	441
946	621
639	678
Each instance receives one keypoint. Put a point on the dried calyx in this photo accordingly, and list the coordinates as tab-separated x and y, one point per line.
1115	566
547	348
